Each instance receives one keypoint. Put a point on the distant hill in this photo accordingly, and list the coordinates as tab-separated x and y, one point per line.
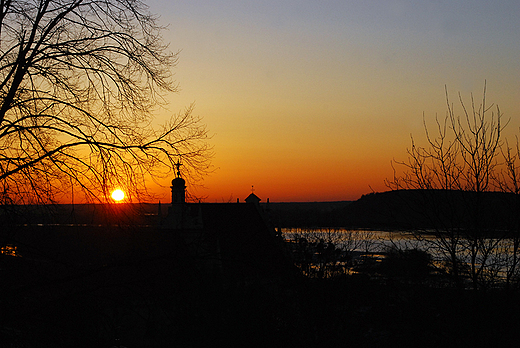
408	209
404	209
307	214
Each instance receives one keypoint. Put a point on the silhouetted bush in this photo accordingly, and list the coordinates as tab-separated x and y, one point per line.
409	264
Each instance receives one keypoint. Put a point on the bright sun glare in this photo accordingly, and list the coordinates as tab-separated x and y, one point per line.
118	195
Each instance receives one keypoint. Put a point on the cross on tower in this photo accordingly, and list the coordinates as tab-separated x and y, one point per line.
178	165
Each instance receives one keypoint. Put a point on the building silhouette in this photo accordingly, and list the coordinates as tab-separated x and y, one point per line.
236	239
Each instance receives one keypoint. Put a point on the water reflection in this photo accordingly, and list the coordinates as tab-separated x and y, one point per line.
326	252
330	252
9	250
372	241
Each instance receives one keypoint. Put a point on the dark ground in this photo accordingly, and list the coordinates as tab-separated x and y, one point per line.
168	301
145	290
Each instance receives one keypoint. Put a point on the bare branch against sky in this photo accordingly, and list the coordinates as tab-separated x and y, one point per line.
79	82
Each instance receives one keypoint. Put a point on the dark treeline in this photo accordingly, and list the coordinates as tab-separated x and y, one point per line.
309	214
404	209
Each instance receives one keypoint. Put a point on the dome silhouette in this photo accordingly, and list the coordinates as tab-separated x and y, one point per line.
178	181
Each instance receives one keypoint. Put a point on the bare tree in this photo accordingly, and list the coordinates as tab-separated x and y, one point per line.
508	180
452	173
79	82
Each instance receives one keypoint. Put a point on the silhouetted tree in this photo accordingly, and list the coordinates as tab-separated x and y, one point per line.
453	172
79	83
414	265
508	180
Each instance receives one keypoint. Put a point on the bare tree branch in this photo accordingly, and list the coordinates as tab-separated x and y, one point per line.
79	82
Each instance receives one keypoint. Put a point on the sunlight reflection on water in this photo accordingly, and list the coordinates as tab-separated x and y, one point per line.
358	240
377	243
9	250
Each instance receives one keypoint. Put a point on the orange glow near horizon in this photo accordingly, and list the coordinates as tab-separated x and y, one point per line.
314	104
345	180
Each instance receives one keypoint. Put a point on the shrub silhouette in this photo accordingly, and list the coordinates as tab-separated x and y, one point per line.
409	264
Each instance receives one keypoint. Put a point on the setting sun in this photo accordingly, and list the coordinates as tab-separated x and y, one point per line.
118	195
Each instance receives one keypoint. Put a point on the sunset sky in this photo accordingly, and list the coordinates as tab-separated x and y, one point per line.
311	100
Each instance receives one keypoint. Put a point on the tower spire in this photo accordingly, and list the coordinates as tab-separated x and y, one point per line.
178	186
178	165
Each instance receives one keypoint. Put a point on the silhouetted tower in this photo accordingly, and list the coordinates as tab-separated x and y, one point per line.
178	187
